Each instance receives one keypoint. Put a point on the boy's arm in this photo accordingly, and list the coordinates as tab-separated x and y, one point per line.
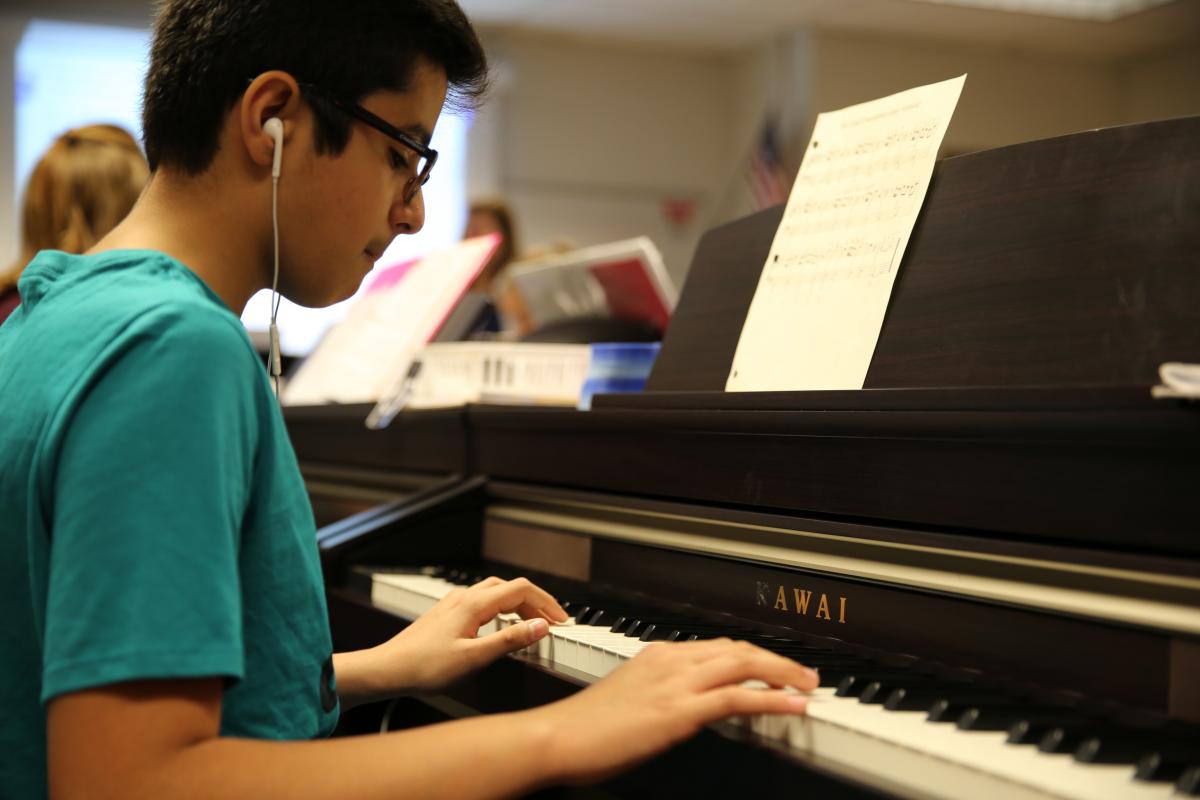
160	738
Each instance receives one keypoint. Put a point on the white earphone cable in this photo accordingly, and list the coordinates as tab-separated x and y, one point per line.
276	366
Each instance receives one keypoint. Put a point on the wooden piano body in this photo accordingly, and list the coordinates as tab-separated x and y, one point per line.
1004	495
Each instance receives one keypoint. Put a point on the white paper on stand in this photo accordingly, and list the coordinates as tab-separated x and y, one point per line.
816	314
365	354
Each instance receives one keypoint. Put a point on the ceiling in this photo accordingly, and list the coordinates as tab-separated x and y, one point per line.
1101	10
734	24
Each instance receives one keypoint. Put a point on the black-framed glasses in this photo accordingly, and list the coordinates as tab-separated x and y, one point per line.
426	156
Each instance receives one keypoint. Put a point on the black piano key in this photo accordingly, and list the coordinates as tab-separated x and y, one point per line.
688	634
635	628
951	709
1188	783
626	616
600	617
1130	746
852	684
701	631
664	627
1168	761
1066	738
655	633
1031	730
875	692
932	685
918	697
833	673
1004	717
878	692
1160	767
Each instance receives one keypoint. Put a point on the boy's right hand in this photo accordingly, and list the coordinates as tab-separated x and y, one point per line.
663	696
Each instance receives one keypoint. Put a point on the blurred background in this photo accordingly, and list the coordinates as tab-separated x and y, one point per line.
618	118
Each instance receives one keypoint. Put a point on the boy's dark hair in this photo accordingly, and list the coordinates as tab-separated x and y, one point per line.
205	51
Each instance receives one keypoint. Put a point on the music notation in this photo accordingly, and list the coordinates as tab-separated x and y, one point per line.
821	298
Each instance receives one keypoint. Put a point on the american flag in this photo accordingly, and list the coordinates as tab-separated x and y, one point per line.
765	173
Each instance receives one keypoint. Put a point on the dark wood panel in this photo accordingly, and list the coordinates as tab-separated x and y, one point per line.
437	527
1042	398
1088	480
423	441
1066	261
697	518
702	336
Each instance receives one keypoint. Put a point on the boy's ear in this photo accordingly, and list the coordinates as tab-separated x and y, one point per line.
273	94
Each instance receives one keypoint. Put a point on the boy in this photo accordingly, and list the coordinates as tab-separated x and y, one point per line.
167	633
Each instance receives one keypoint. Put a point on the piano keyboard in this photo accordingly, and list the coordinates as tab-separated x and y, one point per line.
875	721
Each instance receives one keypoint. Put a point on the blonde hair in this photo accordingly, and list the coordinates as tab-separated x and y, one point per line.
80	189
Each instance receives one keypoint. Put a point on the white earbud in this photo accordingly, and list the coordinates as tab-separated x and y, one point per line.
274	129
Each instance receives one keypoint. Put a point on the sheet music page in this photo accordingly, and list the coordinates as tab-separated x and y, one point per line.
368	351
820	302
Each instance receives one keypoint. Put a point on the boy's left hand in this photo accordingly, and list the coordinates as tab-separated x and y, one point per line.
441	645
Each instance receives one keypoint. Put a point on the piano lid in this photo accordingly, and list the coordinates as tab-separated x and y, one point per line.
1065	262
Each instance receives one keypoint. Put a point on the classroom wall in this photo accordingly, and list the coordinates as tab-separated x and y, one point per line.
588	138
1010	96
1162	85
591	139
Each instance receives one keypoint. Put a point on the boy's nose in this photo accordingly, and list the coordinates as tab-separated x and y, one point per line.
408	217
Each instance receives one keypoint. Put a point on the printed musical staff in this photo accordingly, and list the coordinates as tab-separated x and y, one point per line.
820	302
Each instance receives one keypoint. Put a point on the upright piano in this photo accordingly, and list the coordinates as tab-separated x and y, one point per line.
991	552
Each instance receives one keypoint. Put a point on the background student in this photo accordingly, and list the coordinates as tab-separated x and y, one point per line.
79	190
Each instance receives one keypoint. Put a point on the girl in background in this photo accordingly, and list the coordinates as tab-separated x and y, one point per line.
80	189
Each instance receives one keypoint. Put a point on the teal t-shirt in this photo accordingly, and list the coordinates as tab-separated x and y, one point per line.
154	521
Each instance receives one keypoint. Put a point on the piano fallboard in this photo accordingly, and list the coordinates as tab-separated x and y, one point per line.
1092	469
